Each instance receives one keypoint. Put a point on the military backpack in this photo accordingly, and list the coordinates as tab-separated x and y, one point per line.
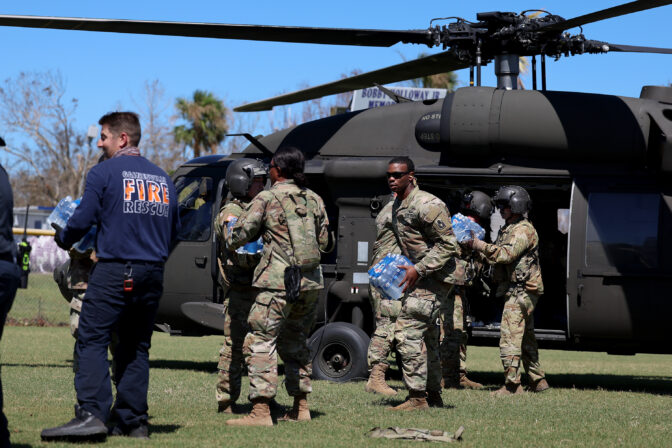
304	253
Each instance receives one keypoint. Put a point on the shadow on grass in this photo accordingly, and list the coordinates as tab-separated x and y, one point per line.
198	366
163	429
661	385
18	364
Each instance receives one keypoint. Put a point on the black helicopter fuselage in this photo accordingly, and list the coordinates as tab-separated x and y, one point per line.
598	169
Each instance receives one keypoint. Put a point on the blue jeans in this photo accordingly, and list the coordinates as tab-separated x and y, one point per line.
108	308
9	281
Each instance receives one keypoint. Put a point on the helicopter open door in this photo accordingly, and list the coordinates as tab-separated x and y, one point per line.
191	268
619	267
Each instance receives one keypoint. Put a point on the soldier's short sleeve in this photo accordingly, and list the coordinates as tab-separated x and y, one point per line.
249	222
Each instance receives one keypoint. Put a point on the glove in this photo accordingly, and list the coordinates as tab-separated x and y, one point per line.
57	237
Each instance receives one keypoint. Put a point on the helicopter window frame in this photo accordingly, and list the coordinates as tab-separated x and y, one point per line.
197	215
622	231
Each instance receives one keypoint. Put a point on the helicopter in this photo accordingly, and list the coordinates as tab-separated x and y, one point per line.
598	169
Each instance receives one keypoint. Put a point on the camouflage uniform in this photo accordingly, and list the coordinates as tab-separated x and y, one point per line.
516	253
73	286
453	318
422	224
77	278
236	280
385	311
72	279
272	320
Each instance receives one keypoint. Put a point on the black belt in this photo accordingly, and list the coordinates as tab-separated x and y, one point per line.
122	261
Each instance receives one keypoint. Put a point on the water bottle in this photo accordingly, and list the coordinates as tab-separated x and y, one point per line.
385	276
460	228
251	248
463	226
62	212
87	242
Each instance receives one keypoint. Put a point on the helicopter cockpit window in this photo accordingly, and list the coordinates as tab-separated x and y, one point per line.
195	203
622	231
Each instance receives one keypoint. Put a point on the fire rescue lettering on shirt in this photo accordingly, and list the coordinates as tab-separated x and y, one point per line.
145	194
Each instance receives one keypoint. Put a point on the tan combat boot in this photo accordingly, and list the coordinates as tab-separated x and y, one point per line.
260	415
299	412
539	386
508	389
466	383
377	384
416	401
434	399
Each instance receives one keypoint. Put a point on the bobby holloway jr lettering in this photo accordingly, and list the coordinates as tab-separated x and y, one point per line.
145	194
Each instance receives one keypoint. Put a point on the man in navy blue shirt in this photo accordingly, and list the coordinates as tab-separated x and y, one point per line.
134	204
9	274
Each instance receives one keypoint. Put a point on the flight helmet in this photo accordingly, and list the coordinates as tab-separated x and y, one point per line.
241	173
515	197
477	203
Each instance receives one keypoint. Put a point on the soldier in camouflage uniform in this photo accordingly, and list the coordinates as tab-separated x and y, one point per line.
245	178
477	206
516	255
385	311
293	223
422	226
72	279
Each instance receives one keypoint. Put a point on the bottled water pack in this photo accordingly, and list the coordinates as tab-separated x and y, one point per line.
63	211
251	248
385	276
87	242
60	216
463	226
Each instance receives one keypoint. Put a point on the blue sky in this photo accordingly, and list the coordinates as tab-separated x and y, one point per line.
107	71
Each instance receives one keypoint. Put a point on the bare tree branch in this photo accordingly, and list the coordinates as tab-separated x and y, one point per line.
37	119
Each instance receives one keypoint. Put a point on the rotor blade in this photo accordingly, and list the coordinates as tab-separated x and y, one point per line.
296	34
429	65
626	8
638	49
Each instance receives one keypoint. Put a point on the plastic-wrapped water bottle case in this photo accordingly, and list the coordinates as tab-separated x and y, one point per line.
62	212
463	226
385	276
60	216
251	248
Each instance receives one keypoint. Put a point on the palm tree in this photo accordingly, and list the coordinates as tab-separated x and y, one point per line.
206	118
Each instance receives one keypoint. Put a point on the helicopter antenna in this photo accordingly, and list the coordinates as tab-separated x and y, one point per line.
396	98
255	141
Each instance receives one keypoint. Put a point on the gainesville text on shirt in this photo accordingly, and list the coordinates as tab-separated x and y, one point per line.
145	194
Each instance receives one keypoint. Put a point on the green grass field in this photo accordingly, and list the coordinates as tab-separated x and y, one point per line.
40	304
596	400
